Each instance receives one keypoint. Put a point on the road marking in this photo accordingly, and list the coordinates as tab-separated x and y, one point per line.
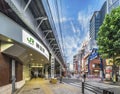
76	84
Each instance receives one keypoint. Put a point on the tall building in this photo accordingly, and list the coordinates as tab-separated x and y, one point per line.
103	12
94	27
95	23
111	4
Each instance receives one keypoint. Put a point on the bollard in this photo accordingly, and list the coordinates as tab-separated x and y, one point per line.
82	87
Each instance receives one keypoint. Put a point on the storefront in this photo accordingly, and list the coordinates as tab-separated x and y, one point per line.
108	69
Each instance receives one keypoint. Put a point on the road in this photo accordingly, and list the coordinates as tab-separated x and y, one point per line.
77	83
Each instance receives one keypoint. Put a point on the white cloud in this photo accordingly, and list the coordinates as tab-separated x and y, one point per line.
83	19
70	44
63	19
73	42
73	27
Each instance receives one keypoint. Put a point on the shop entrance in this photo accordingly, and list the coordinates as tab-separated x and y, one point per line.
37	72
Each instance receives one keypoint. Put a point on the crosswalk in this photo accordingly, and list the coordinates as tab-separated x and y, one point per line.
77	84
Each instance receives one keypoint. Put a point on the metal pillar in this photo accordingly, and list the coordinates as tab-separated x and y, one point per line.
42	70
52	66
60	71
46	72
13	76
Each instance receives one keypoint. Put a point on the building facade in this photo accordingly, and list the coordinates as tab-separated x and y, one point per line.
75	63
95	23
94	27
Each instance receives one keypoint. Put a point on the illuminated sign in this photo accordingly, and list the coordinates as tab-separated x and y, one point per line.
34	43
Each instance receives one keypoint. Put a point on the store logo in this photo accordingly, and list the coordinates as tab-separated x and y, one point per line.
30	40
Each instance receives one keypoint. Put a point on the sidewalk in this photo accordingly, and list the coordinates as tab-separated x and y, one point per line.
41	86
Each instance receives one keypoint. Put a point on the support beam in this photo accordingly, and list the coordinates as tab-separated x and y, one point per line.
58	53
53	46
43	19
40	18
27	5
50	42
56	49
48	31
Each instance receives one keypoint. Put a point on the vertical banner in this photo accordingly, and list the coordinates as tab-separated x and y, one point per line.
52	66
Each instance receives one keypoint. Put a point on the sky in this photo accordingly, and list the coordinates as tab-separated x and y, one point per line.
72	23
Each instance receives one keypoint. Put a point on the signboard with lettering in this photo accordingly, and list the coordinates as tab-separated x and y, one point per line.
34	43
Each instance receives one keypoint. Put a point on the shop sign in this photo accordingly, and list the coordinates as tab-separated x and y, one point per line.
109	62
34	43
108	69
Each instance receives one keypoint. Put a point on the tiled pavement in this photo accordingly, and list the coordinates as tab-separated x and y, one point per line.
41	86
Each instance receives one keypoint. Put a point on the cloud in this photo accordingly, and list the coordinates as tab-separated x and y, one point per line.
83	19
73	27
80	33
70	44
63	19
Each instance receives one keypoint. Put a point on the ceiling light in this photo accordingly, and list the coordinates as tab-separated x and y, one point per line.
9	40
30	54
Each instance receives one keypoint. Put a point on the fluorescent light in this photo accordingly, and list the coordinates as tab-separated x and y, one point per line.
30	54
9	40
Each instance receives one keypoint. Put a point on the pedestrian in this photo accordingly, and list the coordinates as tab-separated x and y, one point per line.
32	74
36	74
61	79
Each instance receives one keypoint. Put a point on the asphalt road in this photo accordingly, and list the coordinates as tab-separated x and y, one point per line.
93	86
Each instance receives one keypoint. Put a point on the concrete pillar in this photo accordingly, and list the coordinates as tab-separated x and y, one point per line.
13	76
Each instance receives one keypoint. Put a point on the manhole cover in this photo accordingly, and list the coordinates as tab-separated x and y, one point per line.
36	88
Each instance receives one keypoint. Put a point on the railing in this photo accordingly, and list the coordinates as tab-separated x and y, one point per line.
94	89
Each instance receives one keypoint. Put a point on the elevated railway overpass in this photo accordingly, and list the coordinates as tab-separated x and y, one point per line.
28	42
